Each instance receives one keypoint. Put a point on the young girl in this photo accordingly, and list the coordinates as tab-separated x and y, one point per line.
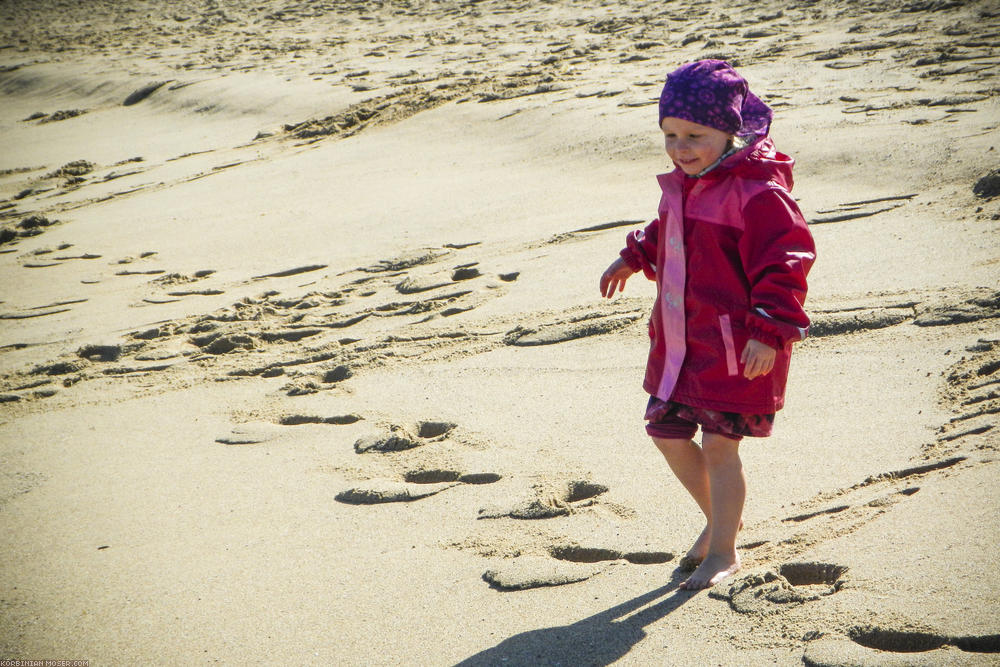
729	251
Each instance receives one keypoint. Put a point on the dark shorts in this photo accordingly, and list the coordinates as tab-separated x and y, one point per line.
669	420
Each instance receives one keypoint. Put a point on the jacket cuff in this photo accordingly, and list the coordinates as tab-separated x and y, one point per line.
636	259
631	260
773	333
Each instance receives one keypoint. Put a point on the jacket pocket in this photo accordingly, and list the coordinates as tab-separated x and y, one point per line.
725	325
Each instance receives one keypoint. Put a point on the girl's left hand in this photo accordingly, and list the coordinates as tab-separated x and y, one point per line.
614	278
757	359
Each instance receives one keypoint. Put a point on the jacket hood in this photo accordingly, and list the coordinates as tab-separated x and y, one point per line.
761	161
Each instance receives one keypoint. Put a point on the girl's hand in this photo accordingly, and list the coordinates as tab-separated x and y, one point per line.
614	278
757	359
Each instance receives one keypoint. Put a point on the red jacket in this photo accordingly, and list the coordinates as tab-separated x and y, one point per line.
729	252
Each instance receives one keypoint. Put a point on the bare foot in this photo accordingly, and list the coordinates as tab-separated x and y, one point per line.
699	550
712	570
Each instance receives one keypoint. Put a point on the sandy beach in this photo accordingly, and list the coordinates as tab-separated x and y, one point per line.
303	358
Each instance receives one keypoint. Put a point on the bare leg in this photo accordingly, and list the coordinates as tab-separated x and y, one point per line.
727	492
687	461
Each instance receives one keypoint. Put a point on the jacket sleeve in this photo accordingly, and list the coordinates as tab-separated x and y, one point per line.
640	249
777	251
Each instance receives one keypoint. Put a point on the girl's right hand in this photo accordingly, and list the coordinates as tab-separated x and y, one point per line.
614	278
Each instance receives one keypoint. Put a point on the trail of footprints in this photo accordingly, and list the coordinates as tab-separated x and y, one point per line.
407	469
773	590
560	563
405	452
317	340
971	387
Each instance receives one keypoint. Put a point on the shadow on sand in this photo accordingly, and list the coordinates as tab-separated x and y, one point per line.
600	639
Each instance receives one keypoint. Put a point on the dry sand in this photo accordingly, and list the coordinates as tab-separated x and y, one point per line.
302	357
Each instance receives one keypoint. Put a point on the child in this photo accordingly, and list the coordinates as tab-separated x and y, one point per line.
729	251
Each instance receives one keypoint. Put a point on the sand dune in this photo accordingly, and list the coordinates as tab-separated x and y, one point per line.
302	356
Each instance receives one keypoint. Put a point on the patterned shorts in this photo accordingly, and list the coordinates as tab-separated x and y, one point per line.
669	420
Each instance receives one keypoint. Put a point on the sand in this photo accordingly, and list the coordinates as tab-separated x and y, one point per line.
303	360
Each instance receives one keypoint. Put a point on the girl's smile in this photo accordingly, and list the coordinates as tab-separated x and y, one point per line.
691	146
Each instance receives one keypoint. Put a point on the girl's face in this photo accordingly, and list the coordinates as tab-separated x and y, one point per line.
691	146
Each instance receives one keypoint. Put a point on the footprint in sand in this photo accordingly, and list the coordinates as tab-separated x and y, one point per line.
177	279
90	361
438	476
255	433
790	585
446	304
398	438
527	572
416	484
884	639
339	420
881	645
566	564
104	353
426	283
430	304
548	502
55	116
575	553
466	272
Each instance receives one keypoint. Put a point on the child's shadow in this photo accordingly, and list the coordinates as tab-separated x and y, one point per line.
597	640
